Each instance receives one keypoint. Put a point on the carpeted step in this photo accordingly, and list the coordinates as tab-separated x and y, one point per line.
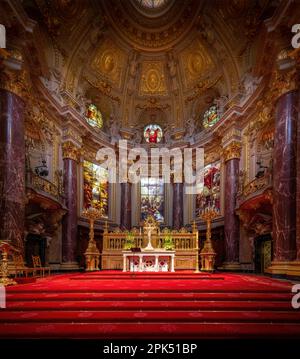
148	305
46	296
162	330
148	316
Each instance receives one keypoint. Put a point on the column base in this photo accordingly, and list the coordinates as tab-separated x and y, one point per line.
285	268
231	266
69	266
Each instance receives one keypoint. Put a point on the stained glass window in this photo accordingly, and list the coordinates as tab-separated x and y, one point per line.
152	198
211	116
209	191
95	190
94	116
153	133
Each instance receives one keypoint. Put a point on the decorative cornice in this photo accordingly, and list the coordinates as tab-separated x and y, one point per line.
71	151
233	150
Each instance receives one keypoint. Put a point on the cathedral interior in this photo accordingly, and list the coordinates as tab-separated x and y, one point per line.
80	76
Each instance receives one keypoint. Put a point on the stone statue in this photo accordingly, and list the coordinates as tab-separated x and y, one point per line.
133	66
167	135
221	102
189	135
172	66
137	136
114	130
53	83
249	84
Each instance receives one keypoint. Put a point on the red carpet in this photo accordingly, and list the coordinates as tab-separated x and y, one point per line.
154	305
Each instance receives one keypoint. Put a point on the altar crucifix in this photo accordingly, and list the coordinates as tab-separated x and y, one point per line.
150	225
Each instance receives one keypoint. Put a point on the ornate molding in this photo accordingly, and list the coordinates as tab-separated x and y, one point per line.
15	82
69	150
232	151
283	82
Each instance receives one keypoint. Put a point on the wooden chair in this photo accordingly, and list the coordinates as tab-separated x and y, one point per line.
19	266
37	265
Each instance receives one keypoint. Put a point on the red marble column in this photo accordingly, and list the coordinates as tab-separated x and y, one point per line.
284	178
12	169
298	183
231	154
231	220
177	205
125	218
69	234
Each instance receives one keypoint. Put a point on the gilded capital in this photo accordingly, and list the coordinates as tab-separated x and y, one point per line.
231	151
14	81
69	150
283	82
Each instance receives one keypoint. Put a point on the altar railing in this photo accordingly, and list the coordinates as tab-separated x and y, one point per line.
183	239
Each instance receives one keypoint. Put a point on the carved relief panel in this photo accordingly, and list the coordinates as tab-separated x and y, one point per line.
153	80
195	62
109	62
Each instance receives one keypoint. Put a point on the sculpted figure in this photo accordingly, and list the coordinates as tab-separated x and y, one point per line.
114	130
189	135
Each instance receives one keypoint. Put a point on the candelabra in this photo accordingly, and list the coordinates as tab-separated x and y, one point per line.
92	253
5	248
207	253
195	230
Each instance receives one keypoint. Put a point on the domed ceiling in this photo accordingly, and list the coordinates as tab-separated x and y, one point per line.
143	61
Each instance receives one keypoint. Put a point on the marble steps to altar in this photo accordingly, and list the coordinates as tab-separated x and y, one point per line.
140	305
145	296
157	330
55	316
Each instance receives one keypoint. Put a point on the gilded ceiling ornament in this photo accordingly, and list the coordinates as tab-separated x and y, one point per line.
153	79
70	150
153	104
157	33
196	62
109	62
233	150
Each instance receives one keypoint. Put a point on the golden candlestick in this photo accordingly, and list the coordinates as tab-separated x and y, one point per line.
207	253
92	253
5	248
195	230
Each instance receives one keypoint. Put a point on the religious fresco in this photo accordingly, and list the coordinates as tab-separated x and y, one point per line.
209	193
95	187
93	116
211	117
153	133
152	198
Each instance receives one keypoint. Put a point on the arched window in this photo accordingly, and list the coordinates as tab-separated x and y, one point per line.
153	133
93	116
152	198
211	116
209	191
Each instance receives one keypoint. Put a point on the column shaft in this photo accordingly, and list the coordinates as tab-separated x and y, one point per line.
69	242
284	178
231	221
177	205
125	217
12	169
